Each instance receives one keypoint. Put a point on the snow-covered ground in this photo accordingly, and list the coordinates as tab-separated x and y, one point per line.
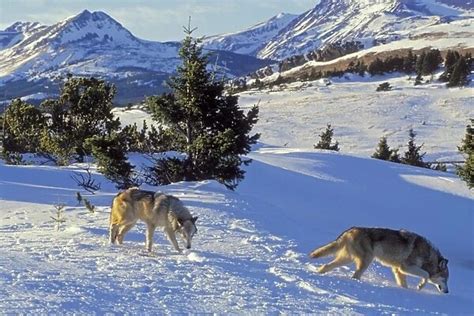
250	253
296	115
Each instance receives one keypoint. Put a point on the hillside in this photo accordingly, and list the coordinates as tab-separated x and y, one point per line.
251	40
338	21
457	35
295	114
250	254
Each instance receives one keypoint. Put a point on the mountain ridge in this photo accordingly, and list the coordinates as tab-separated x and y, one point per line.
95	44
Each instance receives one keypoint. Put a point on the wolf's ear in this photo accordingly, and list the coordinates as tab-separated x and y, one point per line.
194	219
443	264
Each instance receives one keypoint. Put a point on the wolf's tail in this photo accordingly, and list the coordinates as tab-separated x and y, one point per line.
326	250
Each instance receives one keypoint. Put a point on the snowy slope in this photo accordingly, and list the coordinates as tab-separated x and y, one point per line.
17	32
250	254
295	116
456	35
251	40
362	20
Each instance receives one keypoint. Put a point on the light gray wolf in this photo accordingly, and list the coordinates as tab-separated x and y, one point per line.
156	210
405	252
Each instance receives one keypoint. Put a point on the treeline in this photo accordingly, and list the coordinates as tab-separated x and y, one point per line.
457	69
198	130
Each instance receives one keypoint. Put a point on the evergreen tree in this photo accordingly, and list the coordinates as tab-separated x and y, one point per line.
326	140
466	172
111	159
57	147
449	62
384	152
409	62
419	63
412	156
431	62
204	123
460	73
83	110
22	125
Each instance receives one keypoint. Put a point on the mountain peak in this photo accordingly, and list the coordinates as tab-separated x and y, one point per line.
88	16
23	27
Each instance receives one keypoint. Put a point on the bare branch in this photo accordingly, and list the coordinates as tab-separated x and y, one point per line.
86	182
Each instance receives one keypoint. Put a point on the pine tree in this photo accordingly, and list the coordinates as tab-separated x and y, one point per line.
204	123
431	62
409	62
419	63
326	140
449	62
83	110
466	172
384	152
111	159
412	156
460	73
22	125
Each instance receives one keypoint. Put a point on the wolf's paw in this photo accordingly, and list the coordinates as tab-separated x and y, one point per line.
421	285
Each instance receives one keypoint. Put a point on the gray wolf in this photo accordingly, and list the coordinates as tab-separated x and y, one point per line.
405	252
156	210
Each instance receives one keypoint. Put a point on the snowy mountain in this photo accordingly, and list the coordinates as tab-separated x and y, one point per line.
251	40
369	21
93	43
16	32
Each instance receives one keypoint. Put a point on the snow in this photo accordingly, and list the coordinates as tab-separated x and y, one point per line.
364	21
250	253
251	40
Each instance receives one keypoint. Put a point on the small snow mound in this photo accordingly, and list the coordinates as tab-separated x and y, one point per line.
192	256
284	276
308	287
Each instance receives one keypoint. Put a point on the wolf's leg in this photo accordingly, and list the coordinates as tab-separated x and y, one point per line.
150	230
361	265
337	262
122	231
399	277
172	238
113	231
421	284
418	272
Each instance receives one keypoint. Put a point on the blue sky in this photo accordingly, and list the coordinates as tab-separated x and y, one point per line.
160	20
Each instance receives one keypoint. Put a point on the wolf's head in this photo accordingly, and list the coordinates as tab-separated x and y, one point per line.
440	277
187	229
